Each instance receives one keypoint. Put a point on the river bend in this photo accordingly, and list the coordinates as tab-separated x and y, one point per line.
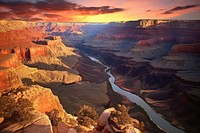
155	117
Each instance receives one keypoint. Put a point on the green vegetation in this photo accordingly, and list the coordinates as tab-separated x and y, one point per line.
15	109
54	117
87	116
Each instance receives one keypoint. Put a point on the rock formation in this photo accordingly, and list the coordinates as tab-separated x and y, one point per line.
156	59
9	80
110	122
33	61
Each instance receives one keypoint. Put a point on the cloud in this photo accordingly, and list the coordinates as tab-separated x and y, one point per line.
99	10
148	10
178	8
51	15
4	15
27	9
35	19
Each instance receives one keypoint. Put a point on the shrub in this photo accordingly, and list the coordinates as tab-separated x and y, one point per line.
121	119
16	109
87	116
54	117
121	116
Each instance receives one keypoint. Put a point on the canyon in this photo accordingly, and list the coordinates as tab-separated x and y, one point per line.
40	74
157	60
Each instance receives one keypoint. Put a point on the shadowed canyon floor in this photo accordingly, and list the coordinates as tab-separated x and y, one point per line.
158	62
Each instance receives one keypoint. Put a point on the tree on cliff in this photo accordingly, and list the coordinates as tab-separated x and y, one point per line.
87	116
15	109
54	117
122	120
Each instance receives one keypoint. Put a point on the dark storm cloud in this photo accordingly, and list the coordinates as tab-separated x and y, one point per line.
28	8
178	8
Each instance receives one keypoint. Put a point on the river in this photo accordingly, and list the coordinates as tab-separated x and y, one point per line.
155	117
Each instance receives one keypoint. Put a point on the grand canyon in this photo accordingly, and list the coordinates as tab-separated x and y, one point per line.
49	64
99	66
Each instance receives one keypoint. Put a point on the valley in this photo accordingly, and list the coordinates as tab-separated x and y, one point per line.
153	59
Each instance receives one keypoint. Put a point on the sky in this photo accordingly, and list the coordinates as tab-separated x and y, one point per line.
98	10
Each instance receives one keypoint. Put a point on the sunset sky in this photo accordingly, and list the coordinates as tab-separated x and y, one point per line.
98	10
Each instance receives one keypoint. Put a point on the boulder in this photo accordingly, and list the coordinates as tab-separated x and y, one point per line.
109	124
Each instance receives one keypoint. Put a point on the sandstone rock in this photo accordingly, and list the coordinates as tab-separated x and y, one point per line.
61	128
105	124
39	124
9	80
43	99
36	51
9	60
57	38
107	129
186	48
1	119
103	119
71	130
5	51
12	25
147	23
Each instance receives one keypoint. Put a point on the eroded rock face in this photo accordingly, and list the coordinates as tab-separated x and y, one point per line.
42	98
106	124
39	124
156	59
9	80
185	48
9	60
17	36
43	101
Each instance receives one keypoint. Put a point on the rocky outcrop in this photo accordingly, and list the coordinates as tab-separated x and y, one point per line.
9	80
152	23
52	65
185	49
6	25
42	98
9	60
161	64
39	124
17	36
43	101
38	51
108	123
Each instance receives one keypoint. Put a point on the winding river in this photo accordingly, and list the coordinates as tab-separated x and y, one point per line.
156	118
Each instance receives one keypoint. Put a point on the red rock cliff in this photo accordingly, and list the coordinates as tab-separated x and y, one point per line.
9	80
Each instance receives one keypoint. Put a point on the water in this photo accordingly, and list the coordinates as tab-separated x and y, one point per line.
156	118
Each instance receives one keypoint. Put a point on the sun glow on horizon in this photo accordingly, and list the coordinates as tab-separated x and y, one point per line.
108	18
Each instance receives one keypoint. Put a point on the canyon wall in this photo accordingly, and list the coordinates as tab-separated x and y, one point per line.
33	58
156	59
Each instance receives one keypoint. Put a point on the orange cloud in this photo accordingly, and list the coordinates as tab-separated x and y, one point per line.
45	10
97	10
